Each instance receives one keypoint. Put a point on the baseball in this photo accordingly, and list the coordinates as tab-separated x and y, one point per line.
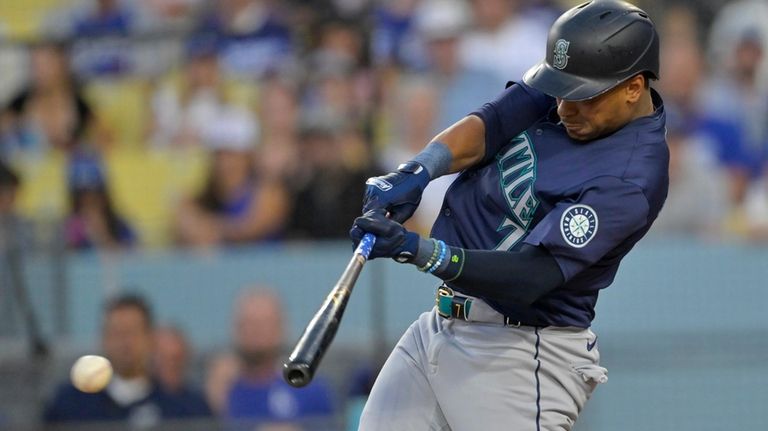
91	373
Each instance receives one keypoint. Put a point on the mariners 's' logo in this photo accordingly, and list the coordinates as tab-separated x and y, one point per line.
578	225
561	54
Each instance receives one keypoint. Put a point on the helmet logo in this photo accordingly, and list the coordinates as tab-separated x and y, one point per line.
561	54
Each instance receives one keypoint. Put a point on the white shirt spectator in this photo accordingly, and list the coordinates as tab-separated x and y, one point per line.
509	51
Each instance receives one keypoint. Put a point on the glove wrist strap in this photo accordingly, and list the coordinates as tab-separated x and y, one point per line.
436	159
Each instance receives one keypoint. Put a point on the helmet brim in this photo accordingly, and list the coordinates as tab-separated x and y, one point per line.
556	83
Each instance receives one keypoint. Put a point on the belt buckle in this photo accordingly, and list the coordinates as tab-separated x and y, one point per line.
444	302
512	323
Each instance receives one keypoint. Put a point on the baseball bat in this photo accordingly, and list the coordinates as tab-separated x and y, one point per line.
300	368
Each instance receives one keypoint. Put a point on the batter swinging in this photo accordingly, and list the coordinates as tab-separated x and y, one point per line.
560	176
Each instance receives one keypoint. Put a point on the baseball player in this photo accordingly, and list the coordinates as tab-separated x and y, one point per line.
560	176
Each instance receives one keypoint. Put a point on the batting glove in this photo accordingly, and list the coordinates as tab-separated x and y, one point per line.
392	239
398	192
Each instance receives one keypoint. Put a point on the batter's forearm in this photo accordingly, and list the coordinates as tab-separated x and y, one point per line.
505	276
465	140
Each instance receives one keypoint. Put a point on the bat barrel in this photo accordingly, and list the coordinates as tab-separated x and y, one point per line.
297	375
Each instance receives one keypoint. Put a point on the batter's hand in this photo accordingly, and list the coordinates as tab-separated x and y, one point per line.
392	239
398	192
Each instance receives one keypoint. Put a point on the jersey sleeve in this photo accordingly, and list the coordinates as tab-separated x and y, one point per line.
578	233
510	114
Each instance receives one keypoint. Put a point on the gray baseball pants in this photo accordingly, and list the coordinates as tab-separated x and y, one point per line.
478	375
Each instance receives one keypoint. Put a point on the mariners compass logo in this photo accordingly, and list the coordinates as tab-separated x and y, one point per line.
578	225
561	54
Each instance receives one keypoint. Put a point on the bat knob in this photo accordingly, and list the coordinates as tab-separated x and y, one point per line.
297	375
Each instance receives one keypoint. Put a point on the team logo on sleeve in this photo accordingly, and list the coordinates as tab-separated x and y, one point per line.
578	225
560	60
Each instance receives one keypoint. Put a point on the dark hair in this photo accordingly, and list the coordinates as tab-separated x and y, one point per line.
113	220
130	300
210	198
8	178
648	77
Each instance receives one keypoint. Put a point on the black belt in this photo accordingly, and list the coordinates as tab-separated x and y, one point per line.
454	306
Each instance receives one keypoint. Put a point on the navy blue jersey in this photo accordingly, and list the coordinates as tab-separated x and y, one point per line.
587	203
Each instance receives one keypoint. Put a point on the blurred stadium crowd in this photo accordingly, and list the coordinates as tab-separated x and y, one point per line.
192	123
164	122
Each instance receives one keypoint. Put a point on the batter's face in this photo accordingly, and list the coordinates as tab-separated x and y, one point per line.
590	119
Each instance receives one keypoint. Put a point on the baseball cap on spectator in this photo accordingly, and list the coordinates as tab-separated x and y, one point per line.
85	172
232	128
442	19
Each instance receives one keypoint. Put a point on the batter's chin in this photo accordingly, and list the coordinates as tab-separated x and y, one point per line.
577	134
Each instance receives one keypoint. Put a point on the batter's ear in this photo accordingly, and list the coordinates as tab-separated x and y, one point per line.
635	87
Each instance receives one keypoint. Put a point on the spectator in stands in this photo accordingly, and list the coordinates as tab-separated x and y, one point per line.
238	204
170	361
255	38
247	386
738	95
504	26
698	201
100	29
278	111
441	24
50	112
338	84
14	229
711	142
132	396
459	89
9	185
181	109
93	221
324	190
393	44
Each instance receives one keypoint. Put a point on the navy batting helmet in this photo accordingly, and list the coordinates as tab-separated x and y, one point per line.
595	46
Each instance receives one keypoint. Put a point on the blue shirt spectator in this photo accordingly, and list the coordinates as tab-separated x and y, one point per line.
254	40
132	395
72	405
276	401
394	40
101	46
246	387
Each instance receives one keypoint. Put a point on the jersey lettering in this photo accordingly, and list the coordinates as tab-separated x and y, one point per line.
517	171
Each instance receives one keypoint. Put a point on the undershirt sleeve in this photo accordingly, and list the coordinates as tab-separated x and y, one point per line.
513	112
521	276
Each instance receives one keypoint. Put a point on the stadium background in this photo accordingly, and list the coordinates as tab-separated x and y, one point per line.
350	89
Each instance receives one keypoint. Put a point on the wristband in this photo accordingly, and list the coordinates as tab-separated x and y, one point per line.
443	252
431	260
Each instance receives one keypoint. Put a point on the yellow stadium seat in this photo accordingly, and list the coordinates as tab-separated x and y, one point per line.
147	185
43	192
242	93
24	19
122	105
